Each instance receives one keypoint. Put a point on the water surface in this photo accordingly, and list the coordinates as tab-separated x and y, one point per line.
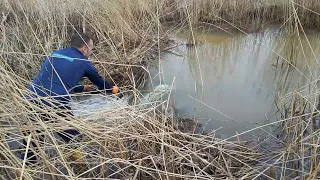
231	81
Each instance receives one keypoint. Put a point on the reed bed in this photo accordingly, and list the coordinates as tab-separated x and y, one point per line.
134	143
125	143
299	136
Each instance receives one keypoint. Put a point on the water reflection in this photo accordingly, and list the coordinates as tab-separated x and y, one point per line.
242	76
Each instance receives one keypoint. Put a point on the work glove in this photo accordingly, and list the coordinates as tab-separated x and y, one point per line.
115	90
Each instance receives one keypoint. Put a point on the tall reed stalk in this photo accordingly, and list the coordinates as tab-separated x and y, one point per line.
129	142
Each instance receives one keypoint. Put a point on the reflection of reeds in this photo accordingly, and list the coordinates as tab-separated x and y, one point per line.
299	131
299	155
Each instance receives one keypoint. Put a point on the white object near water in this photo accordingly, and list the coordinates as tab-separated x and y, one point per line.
93	104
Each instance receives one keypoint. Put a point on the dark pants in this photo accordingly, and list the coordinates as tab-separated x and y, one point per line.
66	135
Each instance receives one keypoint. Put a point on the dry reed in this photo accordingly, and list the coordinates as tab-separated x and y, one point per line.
139	143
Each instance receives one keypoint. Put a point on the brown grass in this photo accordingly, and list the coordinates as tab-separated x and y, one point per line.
141	143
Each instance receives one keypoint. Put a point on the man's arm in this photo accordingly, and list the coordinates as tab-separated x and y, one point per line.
92	73
78	89
82	88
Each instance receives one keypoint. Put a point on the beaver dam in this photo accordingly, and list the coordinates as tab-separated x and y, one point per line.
212	90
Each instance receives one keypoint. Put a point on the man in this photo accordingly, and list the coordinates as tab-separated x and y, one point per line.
60	74
62	71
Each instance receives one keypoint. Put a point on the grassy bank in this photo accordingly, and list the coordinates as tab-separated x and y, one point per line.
130	142
246	15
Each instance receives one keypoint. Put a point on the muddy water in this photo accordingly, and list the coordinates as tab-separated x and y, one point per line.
231	81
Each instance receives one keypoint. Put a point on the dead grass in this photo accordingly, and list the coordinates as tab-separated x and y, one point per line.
140	143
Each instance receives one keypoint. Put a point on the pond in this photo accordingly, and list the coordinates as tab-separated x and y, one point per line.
231	82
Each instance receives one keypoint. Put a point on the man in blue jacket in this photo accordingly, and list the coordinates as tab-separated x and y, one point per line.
64	69
60	74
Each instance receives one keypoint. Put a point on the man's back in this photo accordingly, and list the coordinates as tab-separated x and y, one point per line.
59	73
62	71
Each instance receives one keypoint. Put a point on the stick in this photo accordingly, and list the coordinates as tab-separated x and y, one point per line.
25	156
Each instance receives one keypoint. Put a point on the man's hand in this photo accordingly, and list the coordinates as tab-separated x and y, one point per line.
88	88
115	90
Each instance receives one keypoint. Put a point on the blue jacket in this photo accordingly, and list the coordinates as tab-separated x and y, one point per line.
61	73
